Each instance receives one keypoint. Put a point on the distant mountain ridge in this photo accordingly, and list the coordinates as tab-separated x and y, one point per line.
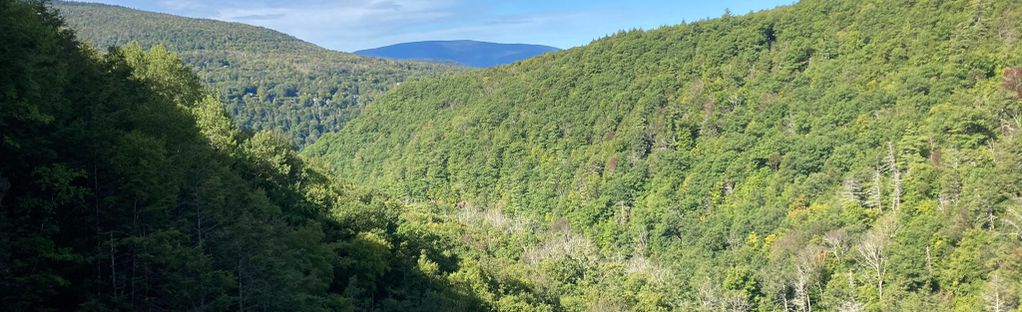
269	80
464	52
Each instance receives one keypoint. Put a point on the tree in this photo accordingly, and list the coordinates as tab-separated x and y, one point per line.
214	123
999	294
1012	80
808	262
896	180
245	63
873	251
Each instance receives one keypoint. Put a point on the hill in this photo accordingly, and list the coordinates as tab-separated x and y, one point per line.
462	52
269	80
124	186
830	155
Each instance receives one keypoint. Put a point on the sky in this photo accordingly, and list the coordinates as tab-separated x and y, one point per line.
349	25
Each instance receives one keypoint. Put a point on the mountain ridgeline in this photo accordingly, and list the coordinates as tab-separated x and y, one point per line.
269	80
832	155
829	155
463	52
124	186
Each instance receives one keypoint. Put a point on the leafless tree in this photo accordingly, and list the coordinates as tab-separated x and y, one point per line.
851	306
873	250
929	261
837	242
892	163
951	189
738	304
874	196
1013	80
712	298
807	266
851	192
1012	219
709	296
999	295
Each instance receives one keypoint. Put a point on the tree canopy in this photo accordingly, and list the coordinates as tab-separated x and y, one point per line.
829	155
268	80
124	185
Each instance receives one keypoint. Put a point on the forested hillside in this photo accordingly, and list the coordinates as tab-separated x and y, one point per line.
124	186
270	81
831	155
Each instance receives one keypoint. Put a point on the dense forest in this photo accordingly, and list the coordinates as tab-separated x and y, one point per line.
832	155
268	80
829	155
124	186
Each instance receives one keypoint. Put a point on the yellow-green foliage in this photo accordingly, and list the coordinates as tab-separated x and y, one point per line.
808	124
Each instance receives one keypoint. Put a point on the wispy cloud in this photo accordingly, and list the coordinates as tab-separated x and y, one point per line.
182	5
357	24
510	20
343	25
259	17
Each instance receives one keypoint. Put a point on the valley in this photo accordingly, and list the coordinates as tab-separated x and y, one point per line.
828	155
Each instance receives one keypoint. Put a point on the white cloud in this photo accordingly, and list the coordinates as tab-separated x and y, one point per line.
358	24
328	21
183	5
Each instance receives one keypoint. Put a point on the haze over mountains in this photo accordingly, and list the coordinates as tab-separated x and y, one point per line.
269	80
463	52
274	81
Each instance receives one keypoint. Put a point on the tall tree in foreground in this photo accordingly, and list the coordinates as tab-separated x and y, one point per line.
125	186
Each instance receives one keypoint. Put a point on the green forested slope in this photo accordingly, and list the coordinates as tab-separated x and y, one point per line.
125	187
830	155
270	80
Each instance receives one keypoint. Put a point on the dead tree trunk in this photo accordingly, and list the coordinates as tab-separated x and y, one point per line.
873	250
892	162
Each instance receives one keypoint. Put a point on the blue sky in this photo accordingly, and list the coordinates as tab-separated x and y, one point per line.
349	25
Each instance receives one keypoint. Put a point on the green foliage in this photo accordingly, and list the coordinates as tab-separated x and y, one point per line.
829	155
125	186
268	80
